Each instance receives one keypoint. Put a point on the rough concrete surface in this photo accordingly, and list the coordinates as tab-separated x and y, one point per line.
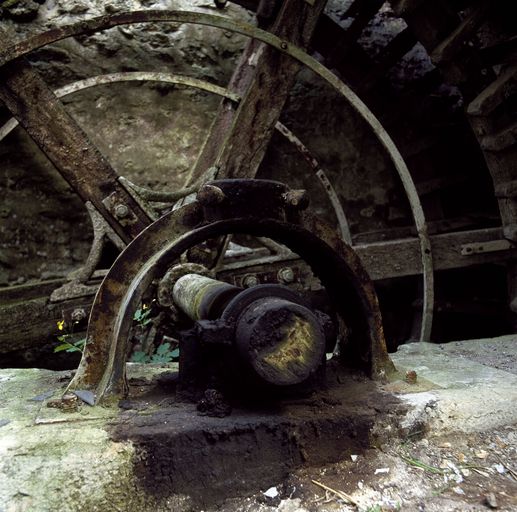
454	449
52	460
467	386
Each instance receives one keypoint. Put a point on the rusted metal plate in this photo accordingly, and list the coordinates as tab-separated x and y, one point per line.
486	247
66	145
103	364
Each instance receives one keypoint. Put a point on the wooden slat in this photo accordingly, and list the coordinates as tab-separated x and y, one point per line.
494	95
455	42
500	140
400	258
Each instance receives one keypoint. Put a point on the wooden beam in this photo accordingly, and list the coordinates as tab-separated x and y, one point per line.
33	322
240	135
398	258
67	146
456	41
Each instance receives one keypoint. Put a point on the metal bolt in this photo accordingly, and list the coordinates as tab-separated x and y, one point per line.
297	199
250	280
121	211
285	275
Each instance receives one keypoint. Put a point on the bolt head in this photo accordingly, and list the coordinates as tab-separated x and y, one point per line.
210	195
121	211
78	314
286	275
250	280
297	199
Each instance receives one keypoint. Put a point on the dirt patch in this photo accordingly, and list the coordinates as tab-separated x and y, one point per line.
211	459
457	473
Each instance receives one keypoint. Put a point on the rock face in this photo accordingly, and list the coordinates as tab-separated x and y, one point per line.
150	132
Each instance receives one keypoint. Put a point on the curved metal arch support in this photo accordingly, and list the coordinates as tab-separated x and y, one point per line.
109	21
102	368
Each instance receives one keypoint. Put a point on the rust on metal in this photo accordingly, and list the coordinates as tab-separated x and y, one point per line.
45	119
296	53
282	341
265	88
102	368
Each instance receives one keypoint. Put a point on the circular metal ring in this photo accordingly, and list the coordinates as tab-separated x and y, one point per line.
246	29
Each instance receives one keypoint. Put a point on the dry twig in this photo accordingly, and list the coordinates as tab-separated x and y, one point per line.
340	494
509	469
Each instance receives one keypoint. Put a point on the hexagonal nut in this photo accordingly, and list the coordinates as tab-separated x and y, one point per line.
250	280
297	199
121	211
286	275
78	314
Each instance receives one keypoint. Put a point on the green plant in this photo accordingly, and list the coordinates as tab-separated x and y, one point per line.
142	315
412	461
163	354
70	346
67	343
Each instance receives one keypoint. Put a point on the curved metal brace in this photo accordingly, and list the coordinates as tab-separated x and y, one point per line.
320	174
130	76
102	368
109	21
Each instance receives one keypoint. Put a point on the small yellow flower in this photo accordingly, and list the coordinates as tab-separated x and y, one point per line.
60	324
145	306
